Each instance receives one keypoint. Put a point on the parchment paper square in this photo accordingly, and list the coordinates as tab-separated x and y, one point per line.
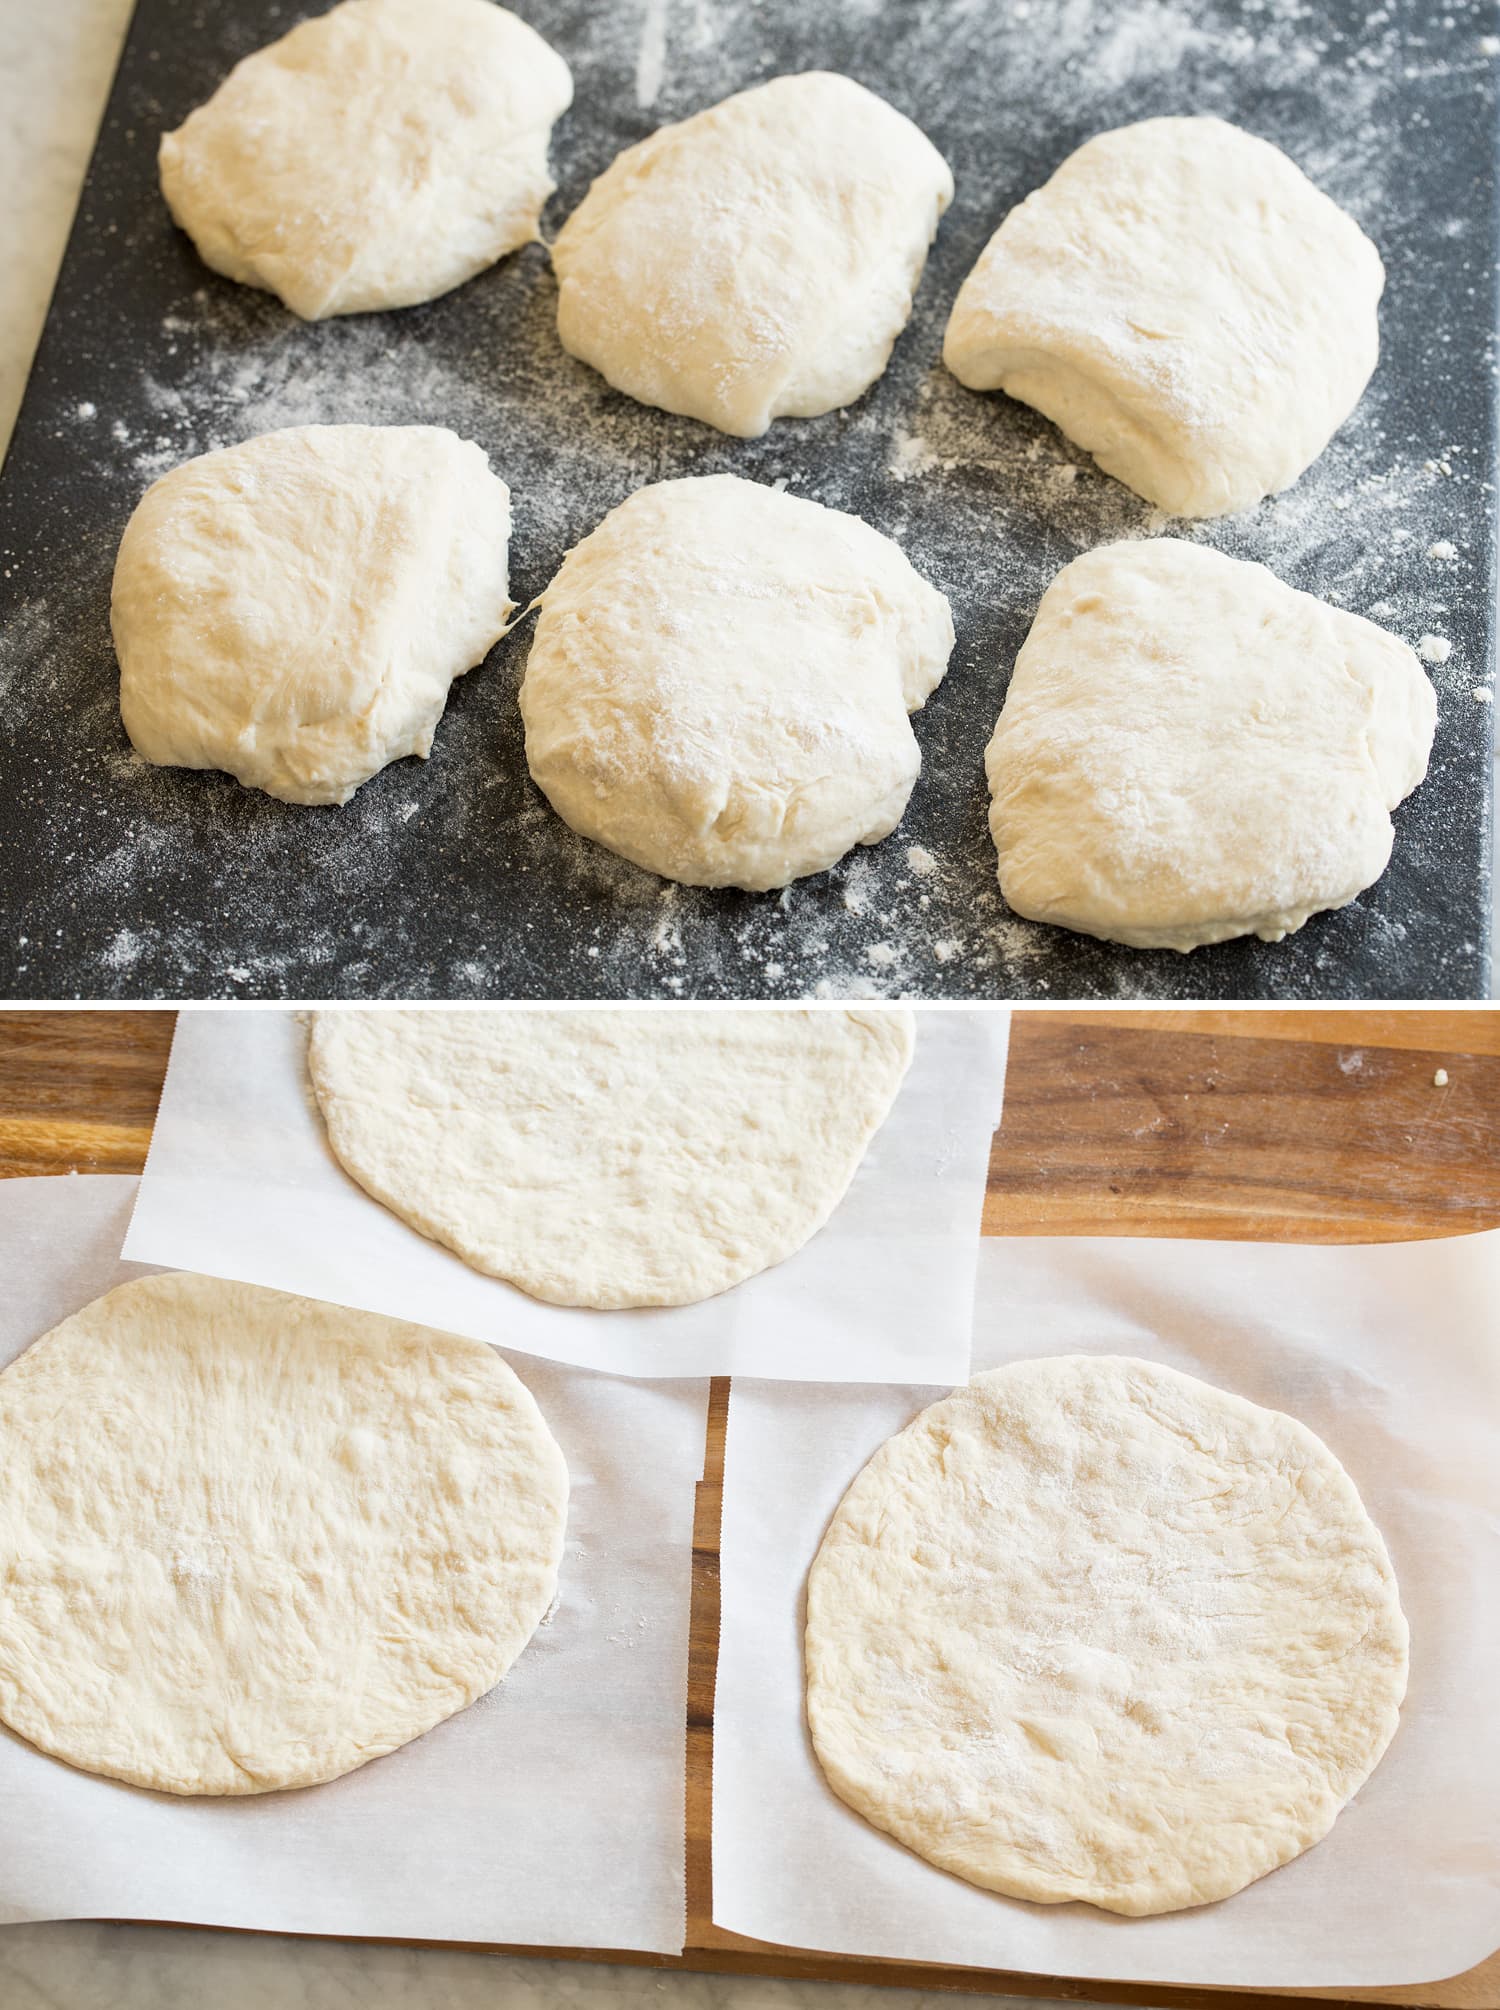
549	1813
1390	1355
241	1183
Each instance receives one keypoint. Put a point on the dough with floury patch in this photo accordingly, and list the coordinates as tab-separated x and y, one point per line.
609	1159
1090	1629
758	260
250	1541
1190	750
720	679
294	609
376	156
1183	303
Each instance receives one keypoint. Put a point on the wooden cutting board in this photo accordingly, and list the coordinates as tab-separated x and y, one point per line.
1308	1126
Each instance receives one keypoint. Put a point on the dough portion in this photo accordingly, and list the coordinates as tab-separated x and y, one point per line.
1190	750
1092	1629
376	156
756	261
250	1541
596	1159
1182	302
294	609
719	683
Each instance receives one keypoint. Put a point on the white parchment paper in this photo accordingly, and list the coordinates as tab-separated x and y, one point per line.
241	1183
549	1813
1391	1354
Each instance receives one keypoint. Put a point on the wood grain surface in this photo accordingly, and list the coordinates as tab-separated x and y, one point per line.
1300	1126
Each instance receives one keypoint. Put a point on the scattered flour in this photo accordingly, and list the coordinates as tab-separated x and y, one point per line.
453	877
651	55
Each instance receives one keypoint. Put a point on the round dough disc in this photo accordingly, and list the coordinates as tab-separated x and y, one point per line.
376	156
1190	750
591	1160
250	1541
294	609
720	679
758	260
1182	302
1092	1629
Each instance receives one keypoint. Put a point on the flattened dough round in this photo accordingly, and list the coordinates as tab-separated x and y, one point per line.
294	609
607	1158
1092	1629
1190	750
250	1541
1184	303
756	261
376	156
719	683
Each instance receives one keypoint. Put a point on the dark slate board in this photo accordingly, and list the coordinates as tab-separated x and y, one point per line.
453	878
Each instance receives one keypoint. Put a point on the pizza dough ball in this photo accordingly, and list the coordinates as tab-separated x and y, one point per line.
1190	750
1182	302
250	1541
1093	1630
720	679
756	261
376	156
608	1159
294	609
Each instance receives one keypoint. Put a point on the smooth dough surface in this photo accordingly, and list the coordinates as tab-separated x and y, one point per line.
376	156
590	1160
1181	301
720	679
294	609
250	1541
1190	750
758	260
1092	1629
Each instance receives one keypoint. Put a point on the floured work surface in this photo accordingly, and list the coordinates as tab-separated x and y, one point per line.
453	878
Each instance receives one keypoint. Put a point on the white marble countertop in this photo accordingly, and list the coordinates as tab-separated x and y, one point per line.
87	1967
56	62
